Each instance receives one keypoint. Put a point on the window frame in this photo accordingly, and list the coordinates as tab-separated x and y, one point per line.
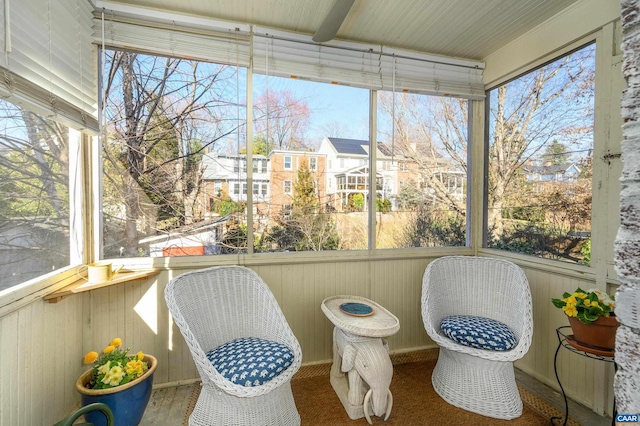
82	145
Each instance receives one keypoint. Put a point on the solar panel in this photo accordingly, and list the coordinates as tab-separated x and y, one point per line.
349	146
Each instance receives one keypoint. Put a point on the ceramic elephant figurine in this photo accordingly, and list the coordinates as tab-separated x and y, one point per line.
366	362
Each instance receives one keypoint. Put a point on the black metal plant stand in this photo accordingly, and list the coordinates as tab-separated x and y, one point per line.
593	354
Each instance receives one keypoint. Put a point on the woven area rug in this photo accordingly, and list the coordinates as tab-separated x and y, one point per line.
414	400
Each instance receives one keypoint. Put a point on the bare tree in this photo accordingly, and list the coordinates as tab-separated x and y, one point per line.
163	115
282	119
530	112
430	133
553	102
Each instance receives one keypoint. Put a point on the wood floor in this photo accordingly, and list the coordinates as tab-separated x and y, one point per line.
168	405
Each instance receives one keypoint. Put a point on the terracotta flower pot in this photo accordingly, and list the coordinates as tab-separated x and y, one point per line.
127	402
601	334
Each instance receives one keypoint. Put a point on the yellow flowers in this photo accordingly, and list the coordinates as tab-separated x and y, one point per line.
571	300
114	376
587	306
114	366
90	357
570	310
104	368
135	368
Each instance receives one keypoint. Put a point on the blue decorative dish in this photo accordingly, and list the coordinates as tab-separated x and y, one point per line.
356	309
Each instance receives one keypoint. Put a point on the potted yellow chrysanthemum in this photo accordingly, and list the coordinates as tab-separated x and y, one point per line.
591	316
120	380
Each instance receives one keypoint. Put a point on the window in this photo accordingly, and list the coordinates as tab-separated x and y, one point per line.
172	172
317	219
154	182
34	195
287	187
259	166
423	201
286	211
540	160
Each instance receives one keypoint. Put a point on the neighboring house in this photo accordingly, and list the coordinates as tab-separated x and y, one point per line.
552	172
348	170
284	174
340	168
226	175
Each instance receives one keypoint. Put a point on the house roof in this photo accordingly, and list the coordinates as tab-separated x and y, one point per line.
349	146
358	170
359	147
551	169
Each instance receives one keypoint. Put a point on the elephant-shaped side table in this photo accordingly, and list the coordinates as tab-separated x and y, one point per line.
361	371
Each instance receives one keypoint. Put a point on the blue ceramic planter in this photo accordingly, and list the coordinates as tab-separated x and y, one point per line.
127	402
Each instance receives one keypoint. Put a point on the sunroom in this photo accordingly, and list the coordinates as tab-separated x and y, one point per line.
111	110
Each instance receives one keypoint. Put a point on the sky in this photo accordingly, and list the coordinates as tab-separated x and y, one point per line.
332	105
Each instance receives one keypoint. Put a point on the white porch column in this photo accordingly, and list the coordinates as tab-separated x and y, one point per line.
627	246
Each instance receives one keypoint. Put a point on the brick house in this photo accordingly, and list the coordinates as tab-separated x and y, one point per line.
284	166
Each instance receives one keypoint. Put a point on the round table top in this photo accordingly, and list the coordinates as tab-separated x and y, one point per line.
381	323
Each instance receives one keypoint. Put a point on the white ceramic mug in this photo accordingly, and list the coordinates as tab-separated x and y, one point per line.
100	272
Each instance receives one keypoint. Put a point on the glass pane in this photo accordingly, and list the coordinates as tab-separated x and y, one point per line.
422	201
34	195
541	160
171	125
313	135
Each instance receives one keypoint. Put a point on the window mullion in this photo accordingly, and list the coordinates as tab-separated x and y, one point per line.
373	142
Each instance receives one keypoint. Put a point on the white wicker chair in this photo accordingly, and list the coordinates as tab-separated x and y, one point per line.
214	306
477	380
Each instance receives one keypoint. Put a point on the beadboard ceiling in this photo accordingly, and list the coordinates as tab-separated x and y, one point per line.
469	29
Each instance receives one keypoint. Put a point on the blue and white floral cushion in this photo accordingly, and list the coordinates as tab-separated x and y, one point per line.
479	332
250	361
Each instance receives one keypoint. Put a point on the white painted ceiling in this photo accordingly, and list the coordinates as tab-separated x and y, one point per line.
459	28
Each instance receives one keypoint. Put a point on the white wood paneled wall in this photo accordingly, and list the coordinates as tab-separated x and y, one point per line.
577	373
40	362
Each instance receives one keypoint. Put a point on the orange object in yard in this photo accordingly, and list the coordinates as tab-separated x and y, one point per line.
183	251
